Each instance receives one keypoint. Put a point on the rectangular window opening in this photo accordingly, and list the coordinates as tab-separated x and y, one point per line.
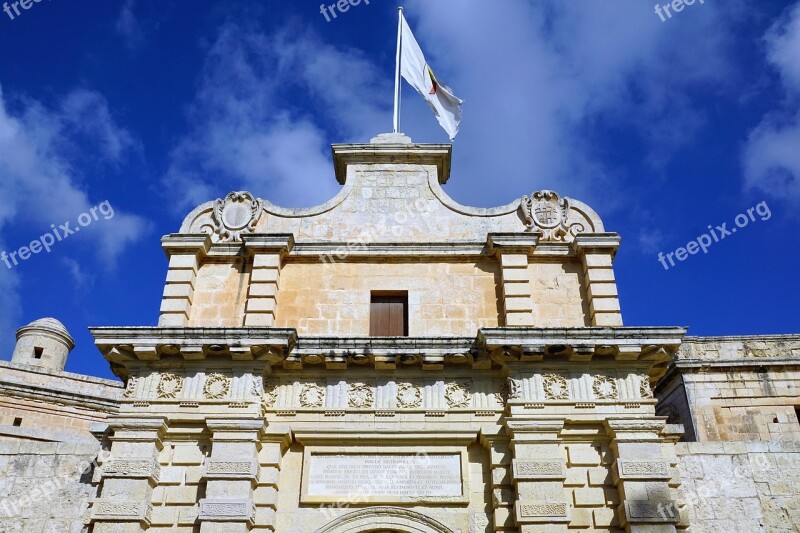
38	352
388	316
17	422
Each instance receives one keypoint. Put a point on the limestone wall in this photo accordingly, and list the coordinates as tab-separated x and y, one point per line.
740	487
45	487
334	299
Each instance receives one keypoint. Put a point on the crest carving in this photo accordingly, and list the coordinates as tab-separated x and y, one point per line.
216	386
549	213
238	213
458	394
169	386
555	387
408	395
360	395
312	395
604	388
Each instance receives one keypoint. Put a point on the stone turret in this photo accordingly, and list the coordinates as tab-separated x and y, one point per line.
45	343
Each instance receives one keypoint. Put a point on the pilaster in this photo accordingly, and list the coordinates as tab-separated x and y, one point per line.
185	253
503	492
267	252
129	476
538	472
641	473
231	474
597	254
513	251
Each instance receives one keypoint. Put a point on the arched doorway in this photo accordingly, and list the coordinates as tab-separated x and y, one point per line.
384	520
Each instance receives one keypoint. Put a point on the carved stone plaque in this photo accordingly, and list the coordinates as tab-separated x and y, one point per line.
384	477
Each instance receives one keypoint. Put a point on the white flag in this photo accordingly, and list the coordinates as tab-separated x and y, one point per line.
416	71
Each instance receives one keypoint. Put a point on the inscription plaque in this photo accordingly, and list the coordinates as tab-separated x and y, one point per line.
370	476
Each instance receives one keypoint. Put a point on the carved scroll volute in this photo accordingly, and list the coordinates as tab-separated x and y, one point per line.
233	216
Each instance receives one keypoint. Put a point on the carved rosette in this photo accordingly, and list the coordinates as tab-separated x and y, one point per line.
216	386
549	213
408	396
555	387
236	214
360	395
169	386
604	388
644	387
312	395
458	394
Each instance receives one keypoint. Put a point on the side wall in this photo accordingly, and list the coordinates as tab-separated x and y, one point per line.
740	487
45	486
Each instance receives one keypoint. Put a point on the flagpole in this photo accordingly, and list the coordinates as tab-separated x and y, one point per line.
397	71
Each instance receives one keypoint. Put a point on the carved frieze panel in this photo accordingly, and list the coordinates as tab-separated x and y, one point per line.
226	510
312	395
643	469
458	394
409	396
533	470
648	511
121	510
145	468
555	387
360	395
604	388
221	469
645	390
542	512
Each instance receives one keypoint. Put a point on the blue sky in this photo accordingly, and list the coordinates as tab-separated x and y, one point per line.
664	128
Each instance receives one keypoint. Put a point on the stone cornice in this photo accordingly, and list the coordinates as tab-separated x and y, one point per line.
515	243
413	154
597	243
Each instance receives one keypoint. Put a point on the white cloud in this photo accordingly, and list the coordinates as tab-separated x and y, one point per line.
41	152
245	133
128	26
772	153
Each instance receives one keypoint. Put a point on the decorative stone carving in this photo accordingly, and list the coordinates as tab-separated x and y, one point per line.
536	470
270	395
130	388
169	386
238	213
217	386
650	470
458	394
220	469
360	395
542	512
555	387
550	214
312	395
604	388
647	511
121	510
645	390
147	468
408	396
513	389
226	510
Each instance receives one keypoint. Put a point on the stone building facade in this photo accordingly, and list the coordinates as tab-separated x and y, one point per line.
392	361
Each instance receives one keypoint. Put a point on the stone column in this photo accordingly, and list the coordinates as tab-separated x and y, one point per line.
503	493
231	473
597	253
267	252
641	474
513	250
185	253
129	476
538	471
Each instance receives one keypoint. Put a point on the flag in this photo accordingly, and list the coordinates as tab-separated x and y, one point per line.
416	71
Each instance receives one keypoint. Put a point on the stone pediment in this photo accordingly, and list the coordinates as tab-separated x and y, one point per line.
393	193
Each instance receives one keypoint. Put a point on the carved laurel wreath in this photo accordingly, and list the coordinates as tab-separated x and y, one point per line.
458	394
270	392
644	387
549	213
360	395
604	388
217	386
408	395
130	389
169	386
312	395
555	387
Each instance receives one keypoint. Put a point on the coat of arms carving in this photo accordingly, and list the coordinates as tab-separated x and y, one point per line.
549	213
238	213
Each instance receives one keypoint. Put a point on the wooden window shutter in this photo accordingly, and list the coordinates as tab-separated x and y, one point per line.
389	315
